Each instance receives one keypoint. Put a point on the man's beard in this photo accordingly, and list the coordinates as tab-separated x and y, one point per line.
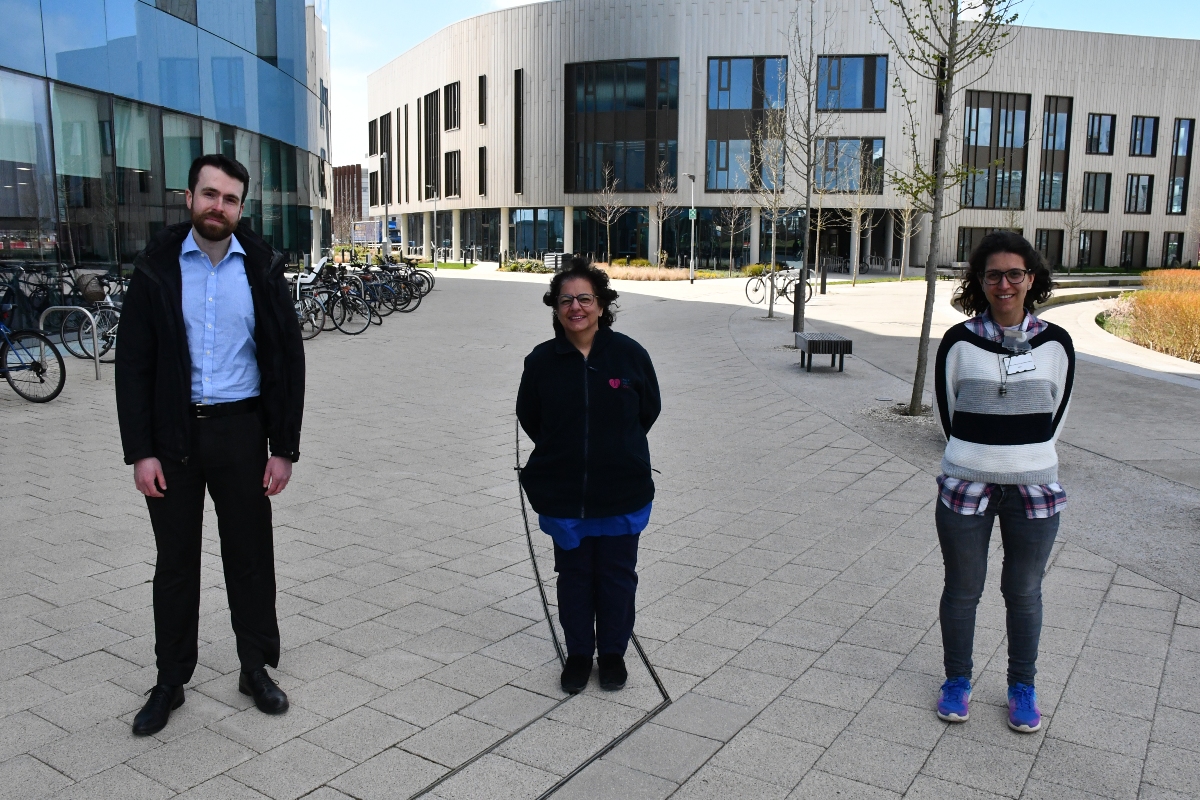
212	226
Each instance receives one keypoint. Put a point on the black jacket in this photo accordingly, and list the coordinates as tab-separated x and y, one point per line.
154	369
588	419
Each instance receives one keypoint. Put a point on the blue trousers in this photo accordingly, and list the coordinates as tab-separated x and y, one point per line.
596	586
1027	543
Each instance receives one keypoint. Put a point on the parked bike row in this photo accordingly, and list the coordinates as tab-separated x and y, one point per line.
350	297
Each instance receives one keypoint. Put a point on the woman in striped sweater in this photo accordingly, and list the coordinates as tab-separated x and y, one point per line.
1003	384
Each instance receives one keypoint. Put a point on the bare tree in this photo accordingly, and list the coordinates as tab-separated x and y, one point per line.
766	169
910	218
1072	225
943	41
1013	220
865	189
608	208
807	128
734	218
666	206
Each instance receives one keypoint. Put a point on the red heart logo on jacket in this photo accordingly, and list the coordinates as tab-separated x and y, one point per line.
614	383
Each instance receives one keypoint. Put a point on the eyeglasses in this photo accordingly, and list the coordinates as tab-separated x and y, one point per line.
585	300
992	277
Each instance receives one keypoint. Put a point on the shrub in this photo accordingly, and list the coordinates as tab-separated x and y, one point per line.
536	267
1167	321
1172	280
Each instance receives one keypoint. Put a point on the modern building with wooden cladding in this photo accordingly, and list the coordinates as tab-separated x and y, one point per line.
495	135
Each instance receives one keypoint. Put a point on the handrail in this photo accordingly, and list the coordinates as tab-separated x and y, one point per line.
95	341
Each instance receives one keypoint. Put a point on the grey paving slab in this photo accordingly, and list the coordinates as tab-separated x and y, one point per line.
788	595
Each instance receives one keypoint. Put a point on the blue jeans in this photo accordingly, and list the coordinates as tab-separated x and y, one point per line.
1027	543
596	585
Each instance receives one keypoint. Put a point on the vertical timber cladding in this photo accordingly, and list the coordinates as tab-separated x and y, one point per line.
620	114
519	131
433	146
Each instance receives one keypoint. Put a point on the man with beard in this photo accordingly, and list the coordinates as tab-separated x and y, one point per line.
210	380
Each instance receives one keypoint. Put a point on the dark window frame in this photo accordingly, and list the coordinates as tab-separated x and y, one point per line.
1135	246
432	186
1096	243
450	99
483	99
1090	204
1002	161
452	177
1094	143
1138	137
1180	178
726	125
483	174
866	164
1051	243
870	78
1054	161
373	137
1134	183
1174	239
519	131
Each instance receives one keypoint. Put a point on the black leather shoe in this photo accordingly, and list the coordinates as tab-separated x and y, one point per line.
154	715
612	672
575	673
269	698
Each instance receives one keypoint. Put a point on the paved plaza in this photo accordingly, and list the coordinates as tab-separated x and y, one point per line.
788	596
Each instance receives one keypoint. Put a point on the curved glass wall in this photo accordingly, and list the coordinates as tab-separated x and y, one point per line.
119	96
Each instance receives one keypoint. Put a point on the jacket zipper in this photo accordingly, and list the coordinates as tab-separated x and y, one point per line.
586	416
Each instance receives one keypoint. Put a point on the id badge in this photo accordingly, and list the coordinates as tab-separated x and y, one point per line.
1014	365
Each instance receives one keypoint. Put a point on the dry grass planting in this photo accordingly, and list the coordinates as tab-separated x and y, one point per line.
1164	317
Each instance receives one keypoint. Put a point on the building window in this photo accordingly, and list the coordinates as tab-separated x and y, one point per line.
852	83
1143	139
1093	247
970	238
621	116
482	171
483	99
453	173
433	147
1134	245
1056	142
1181	166
373	181
386	165
450	98
519	130
995	149
184	9
266	28
1172	248
1049	242
1139	190
373	138
406	193
849	165
742	92
1097	187
1100	134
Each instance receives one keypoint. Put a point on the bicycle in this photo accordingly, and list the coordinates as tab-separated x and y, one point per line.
31	363
784	282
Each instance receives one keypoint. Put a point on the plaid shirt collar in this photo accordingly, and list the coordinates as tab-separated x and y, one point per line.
986	327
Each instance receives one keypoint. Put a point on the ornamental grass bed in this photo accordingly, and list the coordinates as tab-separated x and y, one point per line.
1165	316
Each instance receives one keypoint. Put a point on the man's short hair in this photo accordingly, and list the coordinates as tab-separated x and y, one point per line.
229	166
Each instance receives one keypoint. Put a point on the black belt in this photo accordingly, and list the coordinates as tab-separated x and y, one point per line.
200	411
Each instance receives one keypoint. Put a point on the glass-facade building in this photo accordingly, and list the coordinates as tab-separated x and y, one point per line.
105	103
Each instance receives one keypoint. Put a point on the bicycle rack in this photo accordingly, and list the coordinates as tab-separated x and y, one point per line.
95	341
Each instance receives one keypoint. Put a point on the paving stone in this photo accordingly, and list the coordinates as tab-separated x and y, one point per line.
819	785
1104	730
118	783
1171	768
334	694
705	716
1096	771
360	734
393	773
980	766
508	708
766	756
291	770
888	765
606	778
27	777
452	741
190	760
711	782
93	750
664	752
494	776
553	746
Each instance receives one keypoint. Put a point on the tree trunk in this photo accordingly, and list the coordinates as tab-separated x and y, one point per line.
855	244
935	219
731	227
904	244
608	242
774	226
817	250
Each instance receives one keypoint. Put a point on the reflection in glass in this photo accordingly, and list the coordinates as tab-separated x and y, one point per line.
76	45
83	162
137	146
22	36
27	208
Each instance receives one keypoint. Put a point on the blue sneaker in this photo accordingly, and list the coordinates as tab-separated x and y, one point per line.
954	704
1023	713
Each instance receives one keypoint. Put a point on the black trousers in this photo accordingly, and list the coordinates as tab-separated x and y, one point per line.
597	582
228	457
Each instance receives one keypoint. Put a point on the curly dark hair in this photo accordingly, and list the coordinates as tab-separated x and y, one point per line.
971	295
576	267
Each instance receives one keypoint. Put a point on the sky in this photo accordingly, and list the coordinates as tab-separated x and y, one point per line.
366	34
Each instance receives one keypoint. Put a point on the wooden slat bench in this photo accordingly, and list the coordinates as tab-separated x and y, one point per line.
831	344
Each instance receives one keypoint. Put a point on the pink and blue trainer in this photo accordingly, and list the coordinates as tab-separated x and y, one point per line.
954	703
1023	713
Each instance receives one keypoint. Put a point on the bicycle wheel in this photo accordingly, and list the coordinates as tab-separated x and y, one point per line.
33	366
386	297
351	314
756	290
408	298
327	299
808	289
423	280
785	292
106	320
68	333
312	317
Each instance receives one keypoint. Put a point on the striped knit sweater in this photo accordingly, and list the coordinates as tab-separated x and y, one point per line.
1000	428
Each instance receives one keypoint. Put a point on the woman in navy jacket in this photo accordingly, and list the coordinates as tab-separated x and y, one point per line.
587	400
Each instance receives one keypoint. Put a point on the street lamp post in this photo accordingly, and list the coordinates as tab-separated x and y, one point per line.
387	236
692	215
434	233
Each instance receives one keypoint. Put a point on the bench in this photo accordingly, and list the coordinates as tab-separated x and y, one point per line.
831	344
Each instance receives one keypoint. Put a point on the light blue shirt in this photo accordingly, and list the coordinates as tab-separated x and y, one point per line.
218	313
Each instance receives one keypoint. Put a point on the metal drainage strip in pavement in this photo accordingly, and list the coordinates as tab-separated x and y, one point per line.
666	698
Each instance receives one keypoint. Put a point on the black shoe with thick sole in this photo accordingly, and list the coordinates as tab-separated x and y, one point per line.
575	673
154	715
612	672
267	695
